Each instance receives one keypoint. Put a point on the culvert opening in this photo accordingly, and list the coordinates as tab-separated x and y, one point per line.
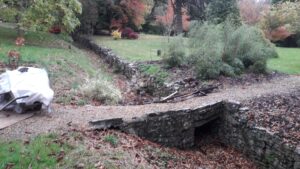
207	133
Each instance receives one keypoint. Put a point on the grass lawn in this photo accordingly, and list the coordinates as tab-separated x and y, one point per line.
68	66
288	61
42	49
40	152
143	49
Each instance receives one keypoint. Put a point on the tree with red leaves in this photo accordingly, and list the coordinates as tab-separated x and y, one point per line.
251	10
135	11
170	21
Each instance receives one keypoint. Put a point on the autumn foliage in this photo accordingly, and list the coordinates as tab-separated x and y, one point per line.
167	19
278	34
127	13
251	10
134	10
116	34
281	20
20	41
128	33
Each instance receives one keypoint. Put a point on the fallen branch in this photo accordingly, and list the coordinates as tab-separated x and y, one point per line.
185	96
168	97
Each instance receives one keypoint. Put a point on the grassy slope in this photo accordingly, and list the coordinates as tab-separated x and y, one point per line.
67	68
143	49
43	49
288	61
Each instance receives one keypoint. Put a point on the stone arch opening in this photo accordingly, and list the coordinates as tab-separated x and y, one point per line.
206	133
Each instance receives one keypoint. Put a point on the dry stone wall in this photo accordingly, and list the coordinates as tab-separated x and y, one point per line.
177	129
130	70
173	128
138	80
170	128
264	147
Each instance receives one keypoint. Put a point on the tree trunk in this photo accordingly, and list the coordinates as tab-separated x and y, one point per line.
178	27
22	5
20	32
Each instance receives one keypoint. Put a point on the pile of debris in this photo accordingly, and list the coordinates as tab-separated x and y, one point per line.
186	89
177	91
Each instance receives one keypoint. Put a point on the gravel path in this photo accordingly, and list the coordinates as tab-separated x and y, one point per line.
64	116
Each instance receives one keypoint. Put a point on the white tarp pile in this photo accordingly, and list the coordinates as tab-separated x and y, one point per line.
27	81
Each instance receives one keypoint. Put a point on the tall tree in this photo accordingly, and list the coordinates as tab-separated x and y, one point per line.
178	27
196	9
89	17
135	12
168	19
218	10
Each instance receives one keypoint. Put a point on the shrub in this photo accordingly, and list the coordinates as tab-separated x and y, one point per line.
129	34
206	50
249	45
102	90
55	30
133	35
116	34
175	54
126	32
155	71
227	50
208	67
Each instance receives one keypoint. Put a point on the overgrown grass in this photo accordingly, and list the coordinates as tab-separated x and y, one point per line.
41	152
68	66
143	49
101	89
288	61
155	71
46	56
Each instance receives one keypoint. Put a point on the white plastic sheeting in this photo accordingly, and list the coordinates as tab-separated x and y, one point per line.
29	81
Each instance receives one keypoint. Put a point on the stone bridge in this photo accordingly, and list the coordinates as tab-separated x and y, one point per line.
178	129
170	128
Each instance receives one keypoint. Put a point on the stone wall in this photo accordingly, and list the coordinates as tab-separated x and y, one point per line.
138	80
173	128
264	147
130	70
177	129
170	128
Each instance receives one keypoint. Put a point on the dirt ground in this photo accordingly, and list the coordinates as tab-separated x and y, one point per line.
63	116
128	151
